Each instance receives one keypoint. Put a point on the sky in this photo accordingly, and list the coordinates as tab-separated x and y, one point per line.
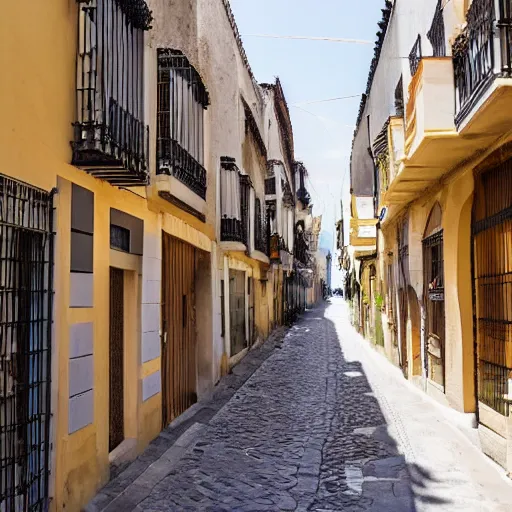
311	71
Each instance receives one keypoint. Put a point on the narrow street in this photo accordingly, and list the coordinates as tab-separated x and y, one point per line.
324	423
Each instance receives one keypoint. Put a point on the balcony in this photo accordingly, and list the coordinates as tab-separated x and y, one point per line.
427	145
115	150
231	231
270	186
235	197
182	99
180	178
482	61
111	141
301	249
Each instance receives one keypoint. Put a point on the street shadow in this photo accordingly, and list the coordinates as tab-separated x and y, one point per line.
363	468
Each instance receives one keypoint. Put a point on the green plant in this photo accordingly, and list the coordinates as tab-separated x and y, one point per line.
379	301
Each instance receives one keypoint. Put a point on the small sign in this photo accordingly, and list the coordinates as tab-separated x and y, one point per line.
365	208
436	295
367	232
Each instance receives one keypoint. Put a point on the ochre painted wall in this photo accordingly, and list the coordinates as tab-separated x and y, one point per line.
37	105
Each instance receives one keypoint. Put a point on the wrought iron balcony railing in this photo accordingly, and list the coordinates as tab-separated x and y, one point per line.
176	161
260	229
234	229
415	56
301	249
436	34
182	100
270	186
111	141
231	230
481	53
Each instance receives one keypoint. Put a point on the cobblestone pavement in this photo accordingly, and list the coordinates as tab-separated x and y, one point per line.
323	424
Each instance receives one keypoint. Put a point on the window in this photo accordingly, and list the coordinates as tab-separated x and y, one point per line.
110	130
230	201
182	99
119	238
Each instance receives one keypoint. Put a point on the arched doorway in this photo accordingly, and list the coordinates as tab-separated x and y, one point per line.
433	279
403	282
415	319
492	269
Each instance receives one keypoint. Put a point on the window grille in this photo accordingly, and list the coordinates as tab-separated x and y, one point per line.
182	100
111	140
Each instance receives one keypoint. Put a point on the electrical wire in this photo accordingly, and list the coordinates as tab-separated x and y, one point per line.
325	101
311	38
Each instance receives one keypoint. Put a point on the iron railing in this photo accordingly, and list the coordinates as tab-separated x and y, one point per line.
111	141
245	194
475	62
182	98
433	258
301	249
270	186
179	163
231	230
491	227
26	275
415	56
436	34
260	229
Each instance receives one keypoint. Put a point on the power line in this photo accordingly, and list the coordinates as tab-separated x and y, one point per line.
328	99
310	38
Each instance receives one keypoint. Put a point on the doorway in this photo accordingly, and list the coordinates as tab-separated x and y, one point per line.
237	311
178	327
116	359
492	268
433	279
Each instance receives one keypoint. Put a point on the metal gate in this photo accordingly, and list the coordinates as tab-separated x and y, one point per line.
178	327
237	311
116	359
403	282
433	279
26	275
492	272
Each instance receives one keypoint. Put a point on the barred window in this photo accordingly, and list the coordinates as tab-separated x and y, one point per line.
110	98
182	100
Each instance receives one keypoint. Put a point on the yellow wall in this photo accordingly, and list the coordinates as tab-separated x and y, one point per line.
37	105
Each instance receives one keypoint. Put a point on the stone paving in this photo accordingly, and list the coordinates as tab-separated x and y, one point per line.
300	425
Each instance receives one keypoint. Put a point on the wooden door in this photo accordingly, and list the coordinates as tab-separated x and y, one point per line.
178	327
237	311
116	359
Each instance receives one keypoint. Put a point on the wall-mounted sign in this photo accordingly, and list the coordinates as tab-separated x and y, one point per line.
365	208
367	232
436	295
383	213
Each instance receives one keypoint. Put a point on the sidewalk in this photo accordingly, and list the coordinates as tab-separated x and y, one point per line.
130	483
448	471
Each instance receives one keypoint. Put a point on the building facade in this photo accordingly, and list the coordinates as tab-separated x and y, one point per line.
430	245
135	184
